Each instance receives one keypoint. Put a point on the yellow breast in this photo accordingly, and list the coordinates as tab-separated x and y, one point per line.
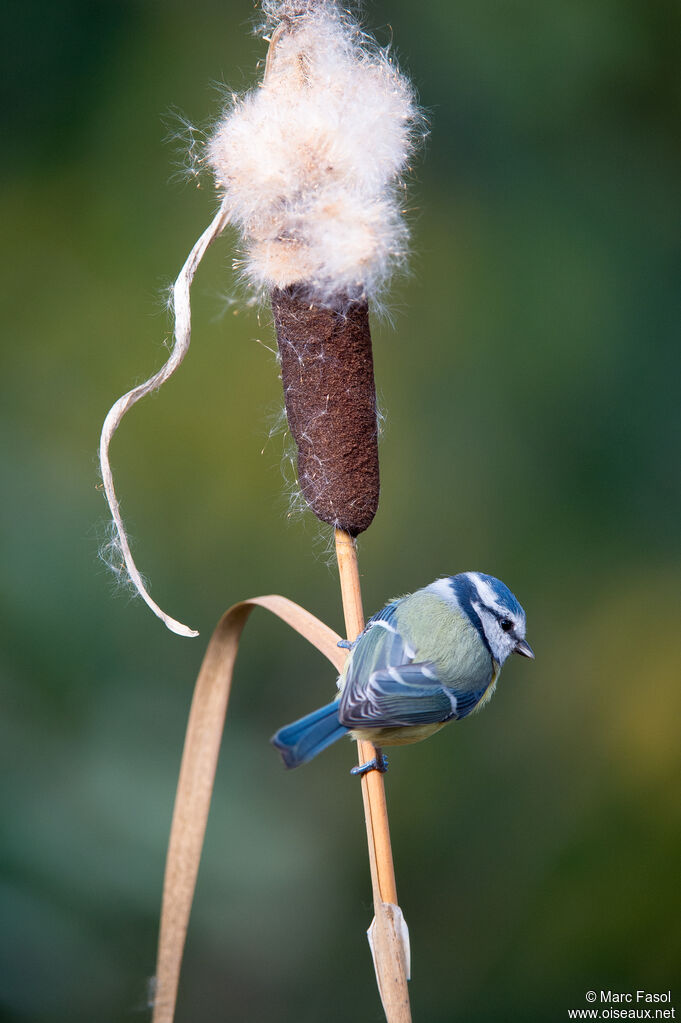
397	736
489	692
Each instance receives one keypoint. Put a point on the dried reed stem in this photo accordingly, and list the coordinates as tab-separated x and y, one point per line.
389	931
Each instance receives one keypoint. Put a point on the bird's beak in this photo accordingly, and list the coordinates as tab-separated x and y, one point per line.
523	648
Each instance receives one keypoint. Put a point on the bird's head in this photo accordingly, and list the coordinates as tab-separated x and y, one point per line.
494	612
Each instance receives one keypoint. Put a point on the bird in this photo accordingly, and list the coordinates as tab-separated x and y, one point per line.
425	659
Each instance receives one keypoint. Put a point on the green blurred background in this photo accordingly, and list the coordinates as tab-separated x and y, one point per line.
531	384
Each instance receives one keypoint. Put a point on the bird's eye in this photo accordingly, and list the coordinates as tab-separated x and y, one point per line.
506	624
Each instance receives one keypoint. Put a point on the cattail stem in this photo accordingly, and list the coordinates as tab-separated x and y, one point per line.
373	789
390	957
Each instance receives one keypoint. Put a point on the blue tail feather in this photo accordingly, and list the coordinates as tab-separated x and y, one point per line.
304	739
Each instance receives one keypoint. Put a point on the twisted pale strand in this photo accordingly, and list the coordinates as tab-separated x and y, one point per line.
182	313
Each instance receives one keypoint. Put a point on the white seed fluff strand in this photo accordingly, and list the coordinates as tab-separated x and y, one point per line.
182	314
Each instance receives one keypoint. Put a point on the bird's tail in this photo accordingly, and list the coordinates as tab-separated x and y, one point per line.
304	739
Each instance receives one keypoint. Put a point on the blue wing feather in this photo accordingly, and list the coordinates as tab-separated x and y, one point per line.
380	645
401	695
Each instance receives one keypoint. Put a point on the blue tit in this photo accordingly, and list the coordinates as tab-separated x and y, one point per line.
430	657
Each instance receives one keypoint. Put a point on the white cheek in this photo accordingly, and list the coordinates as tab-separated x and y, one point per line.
501	643
498	642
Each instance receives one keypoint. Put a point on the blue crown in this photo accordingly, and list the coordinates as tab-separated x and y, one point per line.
504	596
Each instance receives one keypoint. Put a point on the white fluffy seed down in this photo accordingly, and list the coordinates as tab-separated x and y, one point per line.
311	161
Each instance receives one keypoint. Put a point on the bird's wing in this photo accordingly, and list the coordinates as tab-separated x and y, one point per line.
401	695
378	646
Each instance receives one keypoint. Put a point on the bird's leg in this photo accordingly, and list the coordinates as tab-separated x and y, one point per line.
378	763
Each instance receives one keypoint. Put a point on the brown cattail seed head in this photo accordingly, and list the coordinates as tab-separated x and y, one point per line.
327	371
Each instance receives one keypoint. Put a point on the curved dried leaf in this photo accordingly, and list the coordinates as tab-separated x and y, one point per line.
197	775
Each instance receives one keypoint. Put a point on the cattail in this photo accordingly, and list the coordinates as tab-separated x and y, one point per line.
310	165
328	375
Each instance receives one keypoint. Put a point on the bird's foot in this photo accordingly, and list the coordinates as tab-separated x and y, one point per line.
378	763
345	644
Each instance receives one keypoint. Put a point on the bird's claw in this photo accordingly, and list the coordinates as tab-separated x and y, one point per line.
378	763
345	644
